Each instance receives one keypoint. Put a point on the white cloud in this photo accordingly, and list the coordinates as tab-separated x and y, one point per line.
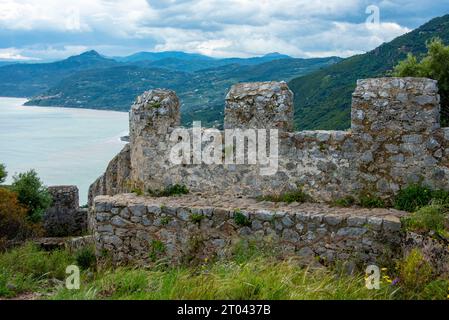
14	54
223	28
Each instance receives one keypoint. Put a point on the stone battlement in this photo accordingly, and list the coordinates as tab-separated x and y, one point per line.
395	139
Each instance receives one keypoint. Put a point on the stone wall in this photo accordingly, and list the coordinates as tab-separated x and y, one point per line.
398	122
128	228
116	177
64	217
395	140
259	105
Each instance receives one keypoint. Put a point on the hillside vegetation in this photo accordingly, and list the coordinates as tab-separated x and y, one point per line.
251	274
323	98
93	81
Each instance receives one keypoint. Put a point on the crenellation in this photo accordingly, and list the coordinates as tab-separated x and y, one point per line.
259	105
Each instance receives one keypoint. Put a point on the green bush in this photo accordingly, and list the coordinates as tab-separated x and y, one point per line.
157	248
241	220
165	220
367	200
14	222
344	202
416	196
85	258
173	190
137	191
414	272
428	218
32	193
441	197
434	65
413	197
196	217
3	173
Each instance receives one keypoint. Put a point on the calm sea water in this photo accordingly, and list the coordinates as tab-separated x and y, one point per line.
65	146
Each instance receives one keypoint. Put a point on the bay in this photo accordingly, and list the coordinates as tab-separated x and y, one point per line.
66	146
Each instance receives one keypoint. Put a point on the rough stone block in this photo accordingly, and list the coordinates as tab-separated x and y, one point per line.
259	105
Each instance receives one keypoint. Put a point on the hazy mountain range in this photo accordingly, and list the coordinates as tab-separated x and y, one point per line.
91	80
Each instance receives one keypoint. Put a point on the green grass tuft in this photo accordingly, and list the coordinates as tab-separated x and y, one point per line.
157	248
416	196
240	219
196	217
170	191
344	202
367	200
429	218
85	258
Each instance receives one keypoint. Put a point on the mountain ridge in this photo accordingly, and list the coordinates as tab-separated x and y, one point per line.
323	97
202	92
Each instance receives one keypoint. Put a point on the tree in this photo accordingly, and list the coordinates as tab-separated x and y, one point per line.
32	194
434	65
14	223
3	173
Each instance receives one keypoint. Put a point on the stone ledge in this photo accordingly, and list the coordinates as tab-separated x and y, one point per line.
230	203
125	225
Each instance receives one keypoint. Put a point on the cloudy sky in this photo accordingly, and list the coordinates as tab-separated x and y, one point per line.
54	29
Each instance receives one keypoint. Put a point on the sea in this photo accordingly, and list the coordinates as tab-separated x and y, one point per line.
65	146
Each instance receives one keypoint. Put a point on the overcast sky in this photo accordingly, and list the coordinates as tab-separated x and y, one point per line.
54	29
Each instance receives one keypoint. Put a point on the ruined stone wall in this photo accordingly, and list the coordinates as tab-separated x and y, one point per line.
116	177
128	228
395	140
64	217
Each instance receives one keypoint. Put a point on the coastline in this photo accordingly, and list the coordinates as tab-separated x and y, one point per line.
60	107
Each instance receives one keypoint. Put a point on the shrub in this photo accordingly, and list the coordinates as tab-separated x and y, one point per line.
441	197
85	258
412	197
241	220
288	197
344	202
414	271
157	248
32	193
416	196
14	224
173	190
432	217
165	220
368	200
434	65
196	217
3	173
137	191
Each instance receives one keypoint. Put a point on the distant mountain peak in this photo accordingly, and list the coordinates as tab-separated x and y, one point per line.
90	53
276	55
88	57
